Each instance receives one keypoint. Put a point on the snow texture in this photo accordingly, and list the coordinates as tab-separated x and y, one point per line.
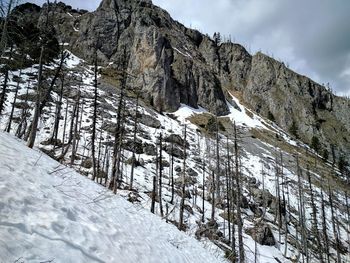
49	212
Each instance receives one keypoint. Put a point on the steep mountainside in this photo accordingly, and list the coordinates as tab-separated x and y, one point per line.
206	136
51	219
174	64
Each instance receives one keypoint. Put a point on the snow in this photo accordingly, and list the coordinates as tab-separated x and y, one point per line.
49	212
182	53
186	111
73	60
241	117
94	231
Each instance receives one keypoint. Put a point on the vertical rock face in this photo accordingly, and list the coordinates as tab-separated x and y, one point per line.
290	97
235	66
172	64
163	55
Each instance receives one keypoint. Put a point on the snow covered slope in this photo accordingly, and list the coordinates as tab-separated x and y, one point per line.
49	213
103	227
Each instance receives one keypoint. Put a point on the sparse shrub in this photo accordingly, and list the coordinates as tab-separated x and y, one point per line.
271	117
211	125
315	144
342	164
325	155
294	130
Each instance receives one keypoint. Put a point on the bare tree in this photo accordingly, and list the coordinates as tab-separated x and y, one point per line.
183	174
134	141
238	199
34	125
336	236
314	216
94	117
228	176
153	197
160	160
203	188
172	174
58	115
75	130
324	226
8	128
118	130
4	85
5	14
218	185
305	252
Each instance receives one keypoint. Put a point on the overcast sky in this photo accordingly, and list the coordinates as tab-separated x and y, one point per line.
312	36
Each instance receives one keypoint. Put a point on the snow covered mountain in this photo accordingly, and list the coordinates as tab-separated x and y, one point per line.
245	186
50	213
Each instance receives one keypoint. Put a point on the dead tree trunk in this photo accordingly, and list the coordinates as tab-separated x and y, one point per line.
182	204
117	135
324	226
218	185
228	201
153	195
302	215
172	174
8	128
203	189
65	125
74	140
4	86
34	125
160	174
336	237
46	96
22	127
58	115
238	200
4	29
314	218
134	142
213	196
94	118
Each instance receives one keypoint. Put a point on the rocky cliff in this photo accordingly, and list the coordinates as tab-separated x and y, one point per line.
173	64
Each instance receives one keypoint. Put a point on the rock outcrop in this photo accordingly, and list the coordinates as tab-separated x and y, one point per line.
172	64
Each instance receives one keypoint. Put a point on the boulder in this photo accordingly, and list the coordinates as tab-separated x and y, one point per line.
149	149
176	139
149	121
262	234
87	163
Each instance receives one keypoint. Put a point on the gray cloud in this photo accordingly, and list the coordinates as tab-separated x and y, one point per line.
312	36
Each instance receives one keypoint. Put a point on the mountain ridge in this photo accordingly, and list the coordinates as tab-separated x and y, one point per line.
161	50
219	151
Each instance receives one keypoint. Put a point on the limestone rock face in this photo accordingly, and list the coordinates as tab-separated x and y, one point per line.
171	64
235	66
163	56
290	97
